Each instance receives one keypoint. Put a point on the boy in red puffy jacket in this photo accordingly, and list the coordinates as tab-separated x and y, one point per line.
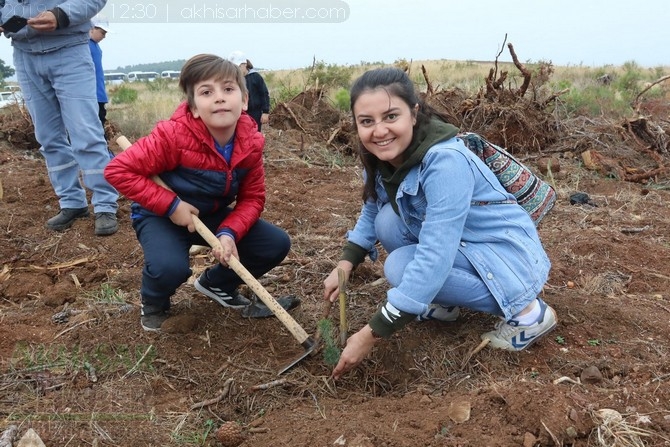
211	155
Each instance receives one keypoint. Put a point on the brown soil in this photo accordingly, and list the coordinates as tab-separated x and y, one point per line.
98	379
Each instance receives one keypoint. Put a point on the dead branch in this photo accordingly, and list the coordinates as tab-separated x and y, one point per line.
636	103
295	118
333	135
502	48
546	102
215	400
479	347
526	74
268	385
134	368
429	86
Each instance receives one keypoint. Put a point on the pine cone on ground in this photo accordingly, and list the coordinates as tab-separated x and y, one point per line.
230	434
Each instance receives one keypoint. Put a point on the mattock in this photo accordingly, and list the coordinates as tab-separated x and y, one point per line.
282	315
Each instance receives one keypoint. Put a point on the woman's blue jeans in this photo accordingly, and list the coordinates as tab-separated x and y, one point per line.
463	287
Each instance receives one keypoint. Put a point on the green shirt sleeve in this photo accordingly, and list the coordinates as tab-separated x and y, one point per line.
384	327
353	253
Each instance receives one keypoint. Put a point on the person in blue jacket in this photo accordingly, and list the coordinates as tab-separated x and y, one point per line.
454	236
259	96
57	77
98	32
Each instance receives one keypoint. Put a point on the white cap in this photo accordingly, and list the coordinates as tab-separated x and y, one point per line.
101	22
237	58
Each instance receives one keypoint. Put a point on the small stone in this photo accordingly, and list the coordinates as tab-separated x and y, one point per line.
529	440
546	164
591	374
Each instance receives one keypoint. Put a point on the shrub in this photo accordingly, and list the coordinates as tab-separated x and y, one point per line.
123	95
342	100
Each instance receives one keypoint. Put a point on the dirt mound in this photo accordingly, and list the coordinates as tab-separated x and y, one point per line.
312	113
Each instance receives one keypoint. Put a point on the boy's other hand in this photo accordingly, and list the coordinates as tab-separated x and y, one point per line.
183	215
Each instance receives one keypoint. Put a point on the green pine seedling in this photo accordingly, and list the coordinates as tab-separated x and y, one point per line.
331	353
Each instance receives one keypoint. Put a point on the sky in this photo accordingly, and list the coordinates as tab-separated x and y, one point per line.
275	34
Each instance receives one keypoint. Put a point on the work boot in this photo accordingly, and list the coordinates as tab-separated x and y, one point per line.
105	224
65	218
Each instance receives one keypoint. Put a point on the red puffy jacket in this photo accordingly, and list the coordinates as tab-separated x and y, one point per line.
182	153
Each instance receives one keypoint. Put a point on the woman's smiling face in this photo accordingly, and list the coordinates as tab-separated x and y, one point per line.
385	124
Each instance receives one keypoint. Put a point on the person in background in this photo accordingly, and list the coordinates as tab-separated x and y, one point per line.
98	32
57	77
210	153
259	97
453	234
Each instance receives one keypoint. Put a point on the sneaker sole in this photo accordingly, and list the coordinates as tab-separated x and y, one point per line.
215	297
106	231
509	347
453	316
150	329
65	226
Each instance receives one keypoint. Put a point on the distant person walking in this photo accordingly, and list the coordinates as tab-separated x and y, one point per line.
56	74
259	97
98	32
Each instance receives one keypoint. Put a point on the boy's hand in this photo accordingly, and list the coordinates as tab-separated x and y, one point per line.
183	215
229	249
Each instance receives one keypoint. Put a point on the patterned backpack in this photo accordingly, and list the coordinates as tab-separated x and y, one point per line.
535	195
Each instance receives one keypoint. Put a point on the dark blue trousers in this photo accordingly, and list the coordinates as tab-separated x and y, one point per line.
166	255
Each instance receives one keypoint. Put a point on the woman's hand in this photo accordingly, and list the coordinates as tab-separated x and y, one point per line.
265	118
358	347
331	288
183	215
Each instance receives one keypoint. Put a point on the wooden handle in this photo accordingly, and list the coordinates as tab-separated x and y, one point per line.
342	283
282	315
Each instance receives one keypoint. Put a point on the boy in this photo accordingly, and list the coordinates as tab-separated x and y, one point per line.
211	155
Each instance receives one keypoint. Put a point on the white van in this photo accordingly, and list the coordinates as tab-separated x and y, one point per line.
134	76
8	98
170	74
115	78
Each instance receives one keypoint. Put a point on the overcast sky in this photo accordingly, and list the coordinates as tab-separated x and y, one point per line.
566	32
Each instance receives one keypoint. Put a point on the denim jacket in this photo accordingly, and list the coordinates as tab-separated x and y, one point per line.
452	202
78	12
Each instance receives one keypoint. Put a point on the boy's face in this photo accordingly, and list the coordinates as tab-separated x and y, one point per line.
219	103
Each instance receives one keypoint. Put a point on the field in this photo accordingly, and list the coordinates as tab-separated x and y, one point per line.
78	369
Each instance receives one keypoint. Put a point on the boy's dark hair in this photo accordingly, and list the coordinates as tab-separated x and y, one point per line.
396	83
208	66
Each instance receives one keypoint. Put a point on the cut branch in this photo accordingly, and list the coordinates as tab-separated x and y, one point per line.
526	74
215	400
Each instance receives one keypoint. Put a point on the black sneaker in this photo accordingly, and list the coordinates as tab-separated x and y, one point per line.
232	299
105	224
65	218
152	322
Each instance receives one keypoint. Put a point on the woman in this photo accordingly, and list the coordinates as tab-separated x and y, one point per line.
454	236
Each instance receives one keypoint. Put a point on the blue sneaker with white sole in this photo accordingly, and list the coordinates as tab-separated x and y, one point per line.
512	336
